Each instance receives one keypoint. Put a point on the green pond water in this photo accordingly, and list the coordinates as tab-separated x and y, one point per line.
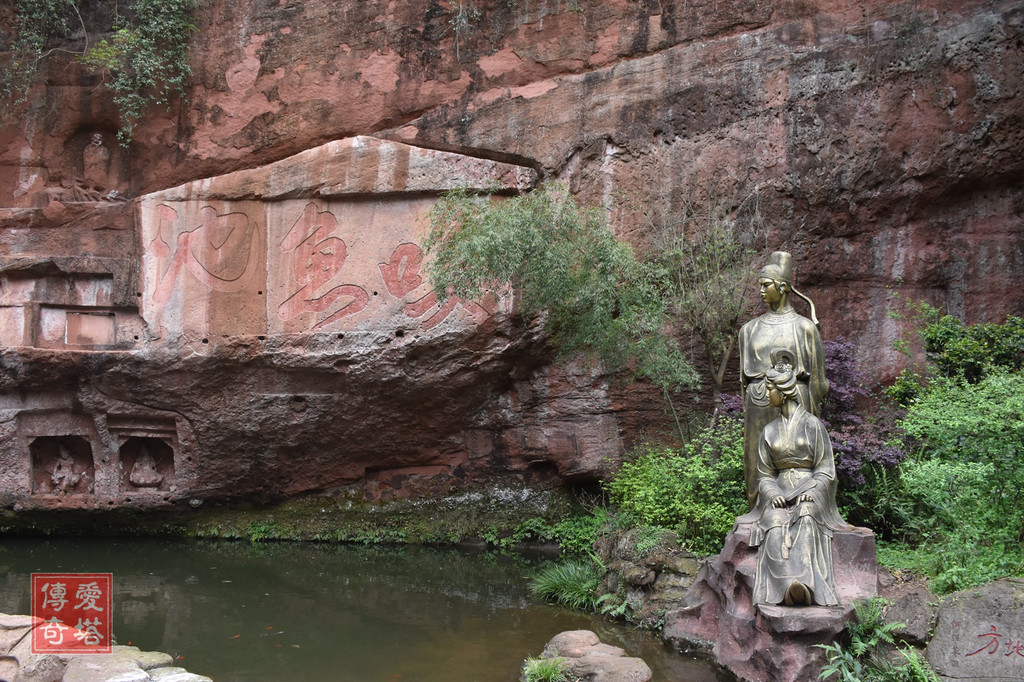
308	612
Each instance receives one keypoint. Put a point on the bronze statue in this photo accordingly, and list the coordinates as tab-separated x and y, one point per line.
795	477
779	328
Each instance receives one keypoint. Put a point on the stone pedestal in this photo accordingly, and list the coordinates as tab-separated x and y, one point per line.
769	642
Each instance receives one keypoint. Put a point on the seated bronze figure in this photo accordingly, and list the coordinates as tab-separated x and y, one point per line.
796	499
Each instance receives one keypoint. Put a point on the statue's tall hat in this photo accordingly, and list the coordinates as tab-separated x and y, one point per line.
780	268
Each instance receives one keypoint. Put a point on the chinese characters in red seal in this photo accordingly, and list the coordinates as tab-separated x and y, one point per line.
75	610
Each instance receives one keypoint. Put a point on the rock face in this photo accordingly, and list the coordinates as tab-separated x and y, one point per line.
287	342
882	142
979	633
759	642
644	583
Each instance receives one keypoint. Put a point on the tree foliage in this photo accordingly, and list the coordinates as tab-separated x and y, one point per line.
147	57
38	26
706	254
561	260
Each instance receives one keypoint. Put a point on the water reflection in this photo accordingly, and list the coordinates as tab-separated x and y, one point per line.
323	612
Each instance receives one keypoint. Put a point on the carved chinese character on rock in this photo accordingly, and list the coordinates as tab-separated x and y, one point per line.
220	252
402	275
317	257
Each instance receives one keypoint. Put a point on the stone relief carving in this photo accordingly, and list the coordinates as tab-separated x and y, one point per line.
146	463
401	276
62	465
401	273
322	267
96	164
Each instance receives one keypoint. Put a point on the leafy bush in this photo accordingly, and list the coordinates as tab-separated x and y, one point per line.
697	490
906	388
964	485
971	351
953	509
577	534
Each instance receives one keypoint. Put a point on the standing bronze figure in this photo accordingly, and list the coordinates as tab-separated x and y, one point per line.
796	499
779	328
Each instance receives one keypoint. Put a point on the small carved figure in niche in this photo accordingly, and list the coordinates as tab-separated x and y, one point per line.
146	463
144	473
96	164
796	498
63	476
780	327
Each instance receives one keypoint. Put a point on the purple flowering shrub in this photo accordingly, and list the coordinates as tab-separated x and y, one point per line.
732	405
859	445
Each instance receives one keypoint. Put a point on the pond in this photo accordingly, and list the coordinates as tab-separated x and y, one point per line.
299	611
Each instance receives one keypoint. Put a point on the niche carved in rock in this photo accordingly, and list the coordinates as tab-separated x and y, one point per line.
62	465
146	464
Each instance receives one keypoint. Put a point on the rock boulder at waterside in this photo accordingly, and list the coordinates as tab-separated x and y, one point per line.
591	660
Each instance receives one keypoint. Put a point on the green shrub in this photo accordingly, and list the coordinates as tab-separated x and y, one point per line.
697	491
905	389
972	351
577	534
957	506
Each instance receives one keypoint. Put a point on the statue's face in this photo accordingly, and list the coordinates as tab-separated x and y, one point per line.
770	292
775	396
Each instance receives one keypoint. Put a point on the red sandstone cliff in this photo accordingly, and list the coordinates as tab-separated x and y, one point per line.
885	141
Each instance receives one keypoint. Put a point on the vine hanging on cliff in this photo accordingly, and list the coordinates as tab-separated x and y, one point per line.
38	24
147	57
144	60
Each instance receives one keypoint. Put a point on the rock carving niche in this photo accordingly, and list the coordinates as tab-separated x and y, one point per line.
95	166
317	256
146	464
96	163
62	465
222	252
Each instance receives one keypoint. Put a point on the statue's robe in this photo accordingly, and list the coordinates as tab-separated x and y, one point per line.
795	542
